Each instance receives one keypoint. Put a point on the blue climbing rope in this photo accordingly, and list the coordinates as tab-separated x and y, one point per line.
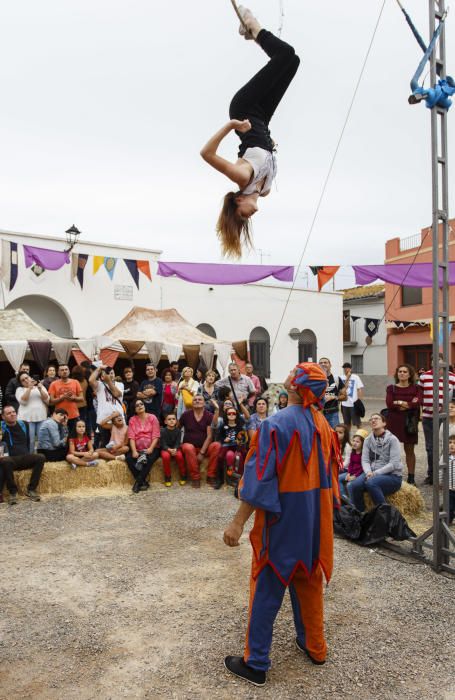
439	95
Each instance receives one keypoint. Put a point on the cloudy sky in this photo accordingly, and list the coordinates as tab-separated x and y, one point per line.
106	104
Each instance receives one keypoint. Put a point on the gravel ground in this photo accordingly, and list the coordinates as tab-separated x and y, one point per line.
122	596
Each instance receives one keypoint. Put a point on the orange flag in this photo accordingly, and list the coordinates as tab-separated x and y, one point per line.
144	266
324	273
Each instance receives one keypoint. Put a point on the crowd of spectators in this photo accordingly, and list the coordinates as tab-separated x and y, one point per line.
89	414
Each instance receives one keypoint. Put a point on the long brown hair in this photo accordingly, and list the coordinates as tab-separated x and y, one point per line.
232	229
411	370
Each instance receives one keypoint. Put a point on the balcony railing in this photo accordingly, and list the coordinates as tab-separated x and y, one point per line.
410	242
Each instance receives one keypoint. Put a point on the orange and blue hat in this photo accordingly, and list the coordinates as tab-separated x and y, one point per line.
310	382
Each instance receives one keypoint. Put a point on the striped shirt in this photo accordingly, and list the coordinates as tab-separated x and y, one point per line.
426	382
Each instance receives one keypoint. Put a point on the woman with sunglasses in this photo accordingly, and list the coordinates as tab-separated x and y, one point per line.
233	437
144	437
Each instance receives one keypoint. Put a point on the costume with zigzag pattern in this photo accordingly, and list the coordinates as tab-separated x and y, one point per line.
291	478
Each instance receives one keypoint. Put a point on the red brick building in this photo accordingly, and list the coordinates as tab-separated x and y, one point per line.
414	344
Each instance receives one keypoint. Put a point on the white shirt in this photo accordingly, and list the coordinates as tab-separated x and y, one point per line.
353	384
264	168
106	403
35	409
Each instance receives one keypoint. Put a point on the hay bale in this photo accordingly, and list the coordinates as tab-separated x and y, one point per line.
408	500
58	477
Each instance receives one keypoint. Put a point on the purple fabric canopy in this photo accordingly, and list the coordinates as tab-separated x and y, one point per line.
417	275
213	273
45	258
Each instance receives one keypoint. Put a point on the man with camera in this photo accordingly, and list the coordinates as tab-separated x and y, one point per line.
109	395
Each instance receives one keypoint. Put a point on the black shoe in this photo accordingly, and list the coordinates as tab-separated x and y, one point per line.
217	485
429	480
136	487
32	495
411	479
237	666
301	648
144	486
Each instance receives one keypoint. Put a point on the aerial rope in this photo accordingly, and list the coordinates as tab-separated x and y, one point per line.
439	95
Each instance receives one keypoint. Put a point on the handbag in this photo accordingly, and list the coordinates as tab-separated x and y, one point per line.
359	408
411	423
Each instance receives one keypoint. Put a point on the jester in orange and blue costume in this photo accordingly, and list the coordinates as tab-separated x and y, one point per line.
291	483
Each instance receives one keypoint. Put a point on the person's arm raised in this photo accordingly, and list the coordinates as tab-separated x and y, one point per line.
238	173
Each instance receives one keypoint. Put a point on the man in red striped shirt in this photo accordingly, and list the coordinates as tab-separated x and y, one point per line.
426	382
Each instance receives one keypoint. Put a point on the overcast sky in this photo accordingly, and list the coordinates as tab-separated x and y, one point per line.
106	104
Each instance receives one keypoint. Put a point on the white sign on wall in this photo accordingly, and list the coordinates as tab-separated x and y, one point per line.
123	292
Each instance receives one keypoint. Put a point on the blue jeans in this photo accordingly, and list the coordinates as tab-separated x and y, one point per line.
333	419
343	484
377	486
33	429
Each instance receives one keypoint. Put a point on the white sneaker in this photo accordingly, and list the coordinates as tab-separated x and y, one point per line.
73	466
92	463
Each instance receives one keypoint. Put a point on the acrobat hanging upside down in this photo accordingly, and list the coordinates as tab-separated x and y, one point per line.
291	483
250	112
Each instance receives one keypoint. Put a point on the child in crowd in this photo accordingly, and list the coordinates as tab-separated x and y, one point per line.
81	452
355	461
171	437
117	447
234	439
282	401
342	431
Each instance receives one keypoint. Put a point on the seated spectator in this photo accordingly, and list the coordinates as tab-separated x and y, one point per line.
208	389
233	438
171	437
197	442
50	374
241	386
261	409
451	424
66	393
249	372
282	401
13	385
342	431
381	464
117	446
175	371
53	436
33	402
81	452
108	394
130	389
151	391
144	435
187	389
16	437
354	468
169	393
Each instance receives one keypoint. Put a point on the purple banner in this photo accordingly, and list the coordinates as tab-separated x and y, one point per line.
47	259
215	273
417	275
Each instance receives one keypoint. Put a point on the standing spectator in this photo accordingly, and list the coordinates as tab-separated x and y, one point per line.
249	372
208	389
53	436
403	401
151	391
78	373
426	382
169	393
261	409
130	389
117	447
175	371
354	391
144	435
197	442
91	411
241	386
187	389
80	448
49	375
335	393
33	405
381	464
16	437
108	394
66	393
13	384
171	437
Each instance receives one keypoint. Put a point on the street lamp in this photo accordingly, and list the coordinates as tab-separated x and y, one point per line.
72	235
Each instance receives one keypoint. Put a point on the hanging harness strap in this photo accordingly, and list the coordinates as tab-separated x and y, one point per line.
440	94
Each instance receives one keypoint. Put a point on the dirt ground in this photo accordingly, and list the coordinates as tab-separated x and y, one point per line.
111	595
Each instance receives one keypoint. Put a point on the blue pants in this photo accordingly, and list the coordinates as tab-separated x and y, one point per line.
378	487
343	484
333	419
266	596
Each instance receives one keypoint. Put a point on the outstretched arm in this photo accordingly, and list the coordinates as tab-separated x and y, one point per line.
238	173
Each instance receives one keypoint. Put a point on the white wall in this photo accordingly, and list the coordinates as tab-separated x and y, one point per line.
375	355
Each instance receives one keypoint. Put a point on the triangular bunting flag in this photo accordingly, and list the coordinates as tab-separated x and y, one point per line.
324	273
109	264
144	266
97	262
134	272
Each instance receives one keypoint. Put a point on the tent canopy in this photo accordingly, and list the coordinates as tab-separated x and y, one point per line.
16	325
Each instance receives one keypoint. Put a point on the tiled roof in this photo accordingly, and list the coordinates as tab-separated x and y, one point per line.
364	292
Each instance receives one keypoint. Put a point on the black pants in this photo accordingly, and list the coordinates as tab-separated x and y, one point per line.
8	465
141	475
259	98
58	455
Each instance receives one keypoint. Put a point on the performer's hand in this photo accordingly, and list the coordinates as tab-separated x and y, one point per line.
242	126
232	534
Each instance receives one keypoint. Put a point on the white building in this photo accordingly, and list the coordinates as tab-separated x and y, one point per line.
311	325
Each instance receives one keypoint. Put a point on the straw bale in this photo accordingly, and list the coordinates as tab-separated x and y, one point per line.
60	478
408	500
